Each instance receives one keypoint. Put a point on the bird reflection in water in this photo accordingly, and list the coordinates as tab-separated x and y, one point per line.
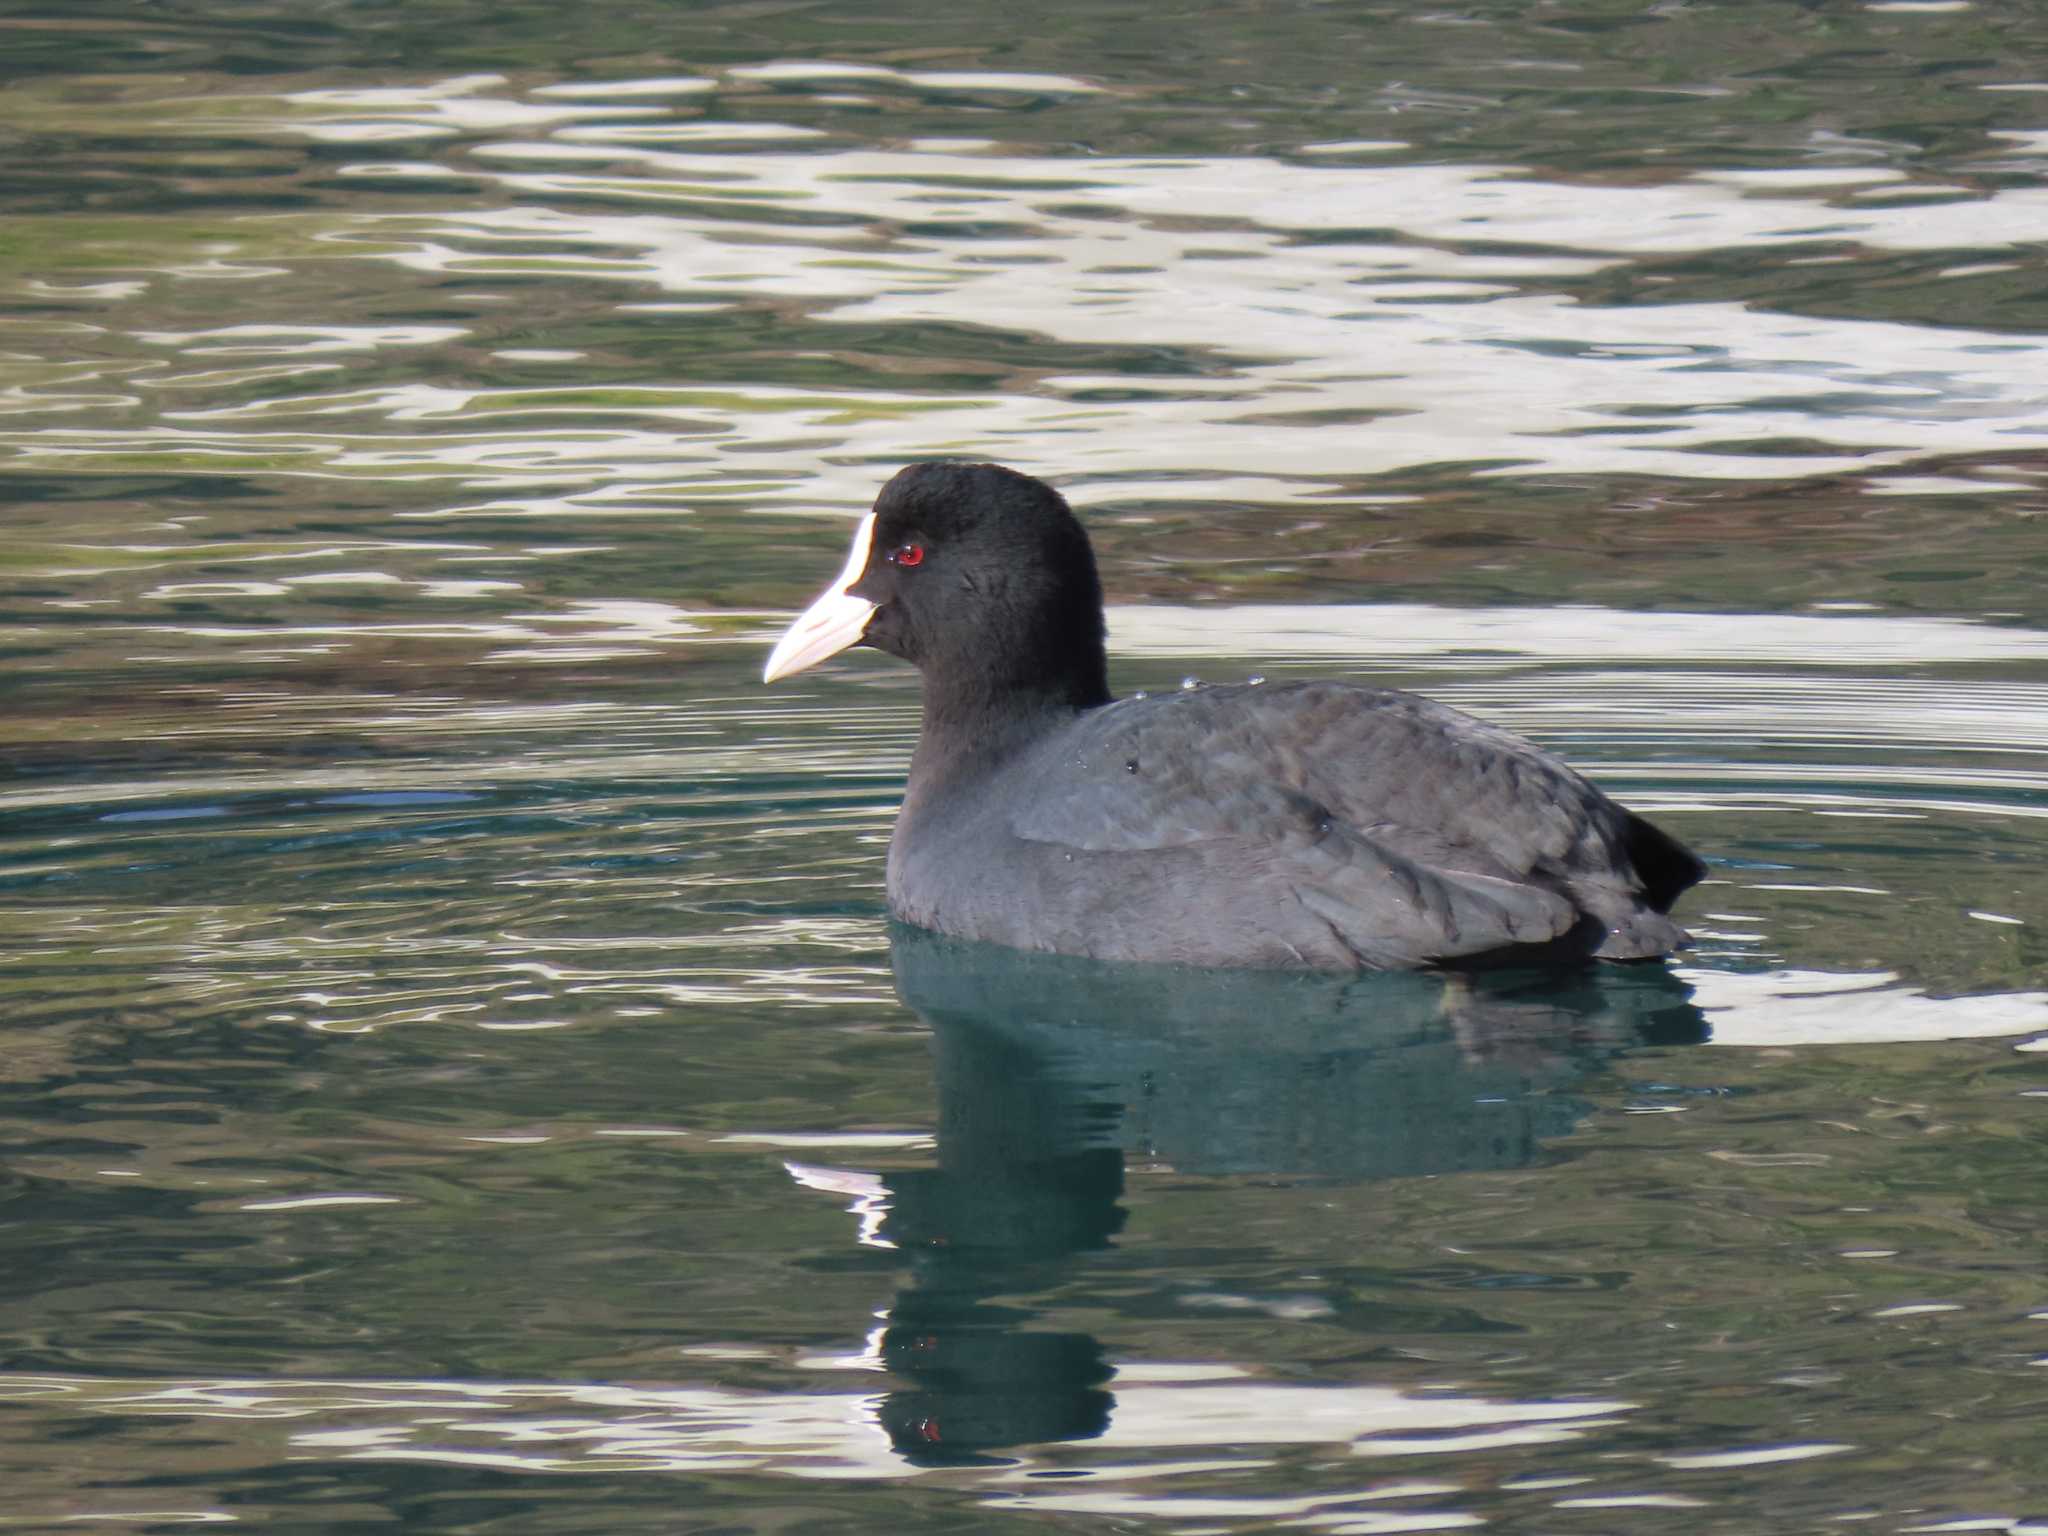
1051	1070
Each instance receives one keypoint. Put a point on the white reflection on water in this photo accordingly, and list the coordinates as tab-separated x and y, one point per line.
1333	319
1400	631
460	104
1092	252
1216	1412
978	80
298	340
1788	1007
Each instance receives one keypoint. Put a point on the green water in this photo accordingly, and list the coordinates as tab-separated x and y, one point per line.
456	1074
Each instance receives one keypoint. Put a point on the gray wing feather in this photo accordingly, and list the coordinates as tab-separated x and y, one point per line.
1412	831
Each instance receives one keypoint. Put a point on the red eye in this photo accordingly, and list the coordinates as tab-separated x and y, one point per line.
907	555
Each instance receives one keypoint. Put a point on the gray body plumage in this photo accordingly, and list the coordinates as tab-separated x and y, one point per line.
1312	824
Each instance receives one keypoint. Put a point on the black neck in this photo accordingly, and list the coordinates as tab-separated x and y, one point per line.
975	723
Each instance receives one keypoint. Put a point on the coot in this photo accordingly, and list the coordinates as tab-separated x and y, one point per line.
1314	824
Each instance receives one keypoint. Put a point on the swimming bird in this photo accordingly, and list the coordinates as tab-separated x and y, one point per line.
1321	825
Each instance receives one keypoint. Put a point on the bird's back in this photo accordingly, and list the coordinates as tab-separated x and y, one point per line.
1315	823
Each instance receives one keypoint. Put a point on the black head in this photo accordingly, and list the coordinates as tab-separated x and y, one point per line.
979	576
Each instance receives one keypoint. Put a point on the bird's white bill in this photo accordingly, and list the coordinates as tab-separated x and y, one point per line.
832	623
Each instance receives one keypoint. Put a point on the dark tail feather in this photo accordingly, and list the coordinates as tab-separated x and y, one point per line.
1666	866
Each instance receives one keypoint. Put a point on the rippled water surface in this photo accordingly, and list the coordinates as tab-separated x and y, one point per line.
456	1073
